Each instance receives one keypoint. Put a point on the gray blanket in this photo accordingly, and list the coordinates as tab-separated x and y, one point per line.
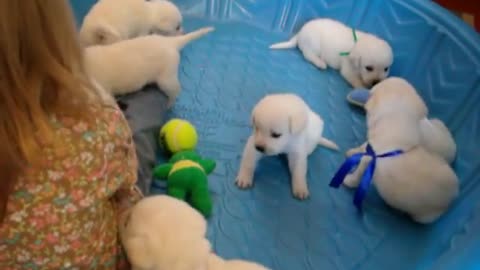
145	111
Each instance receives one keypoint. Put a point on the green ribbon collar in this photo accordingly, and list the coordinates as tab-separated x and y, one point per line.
355	39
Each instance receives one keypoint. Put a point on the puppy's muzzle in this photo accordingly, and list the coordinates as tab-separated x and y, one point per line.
260	148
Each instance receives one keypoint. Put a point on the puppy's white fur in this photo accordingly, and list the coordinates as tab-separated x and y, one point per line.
323	40
434	135
437	139
110	21
127	66
418	182
283	123
217	263
162	232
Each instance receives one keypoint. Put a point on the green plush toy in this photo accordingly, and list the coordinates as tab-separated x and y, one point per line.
186	175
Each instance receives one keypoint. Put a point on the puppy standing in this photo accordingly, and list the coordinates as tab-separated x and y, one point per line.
363	59
418	182
283	123
127	66
110	21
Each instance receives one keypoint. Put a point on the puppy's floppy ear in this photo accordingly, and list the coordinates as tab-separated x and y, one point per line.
105	34
297	121
418	105
252	116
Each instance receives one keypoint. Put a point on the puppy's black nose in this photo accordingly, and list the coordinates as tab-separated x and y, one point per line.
260	148
375	82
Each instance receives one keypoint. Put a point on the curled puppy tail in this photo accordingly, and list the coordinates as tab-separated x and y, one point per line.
328	144
292	43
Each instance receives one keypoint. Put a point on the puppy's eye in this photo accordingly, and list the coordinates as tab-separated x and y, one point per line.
178	27
275	135
369	68
386	69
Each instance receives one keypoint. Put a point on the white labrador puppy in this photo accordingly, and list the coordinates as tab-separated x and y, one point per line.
161	232
362	58
127	66
418	181
110	21
283	123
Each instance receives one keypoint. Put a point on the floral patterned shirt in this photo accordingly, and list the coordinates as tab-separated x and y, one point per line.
64	212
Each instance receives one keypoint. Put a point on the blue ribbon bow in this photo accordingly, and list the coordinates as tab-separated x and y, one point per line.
351	163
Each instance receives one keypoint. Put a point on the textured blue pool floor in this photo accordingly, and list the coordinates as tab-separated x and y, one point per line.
223	76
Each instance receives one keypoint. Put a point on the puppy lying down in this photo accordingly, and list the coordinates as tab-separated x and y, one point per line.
283	124
127	66
362	58
437	139
420	181
161	232
110	21
435	136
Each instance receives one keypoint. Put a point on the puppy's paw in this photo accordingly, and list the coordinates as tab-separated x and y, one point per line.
300	190
321	65
244	180
350	181
352	152
315	59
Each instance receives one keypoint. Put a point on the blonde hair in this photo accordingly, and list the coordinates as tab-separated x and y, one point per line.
41	73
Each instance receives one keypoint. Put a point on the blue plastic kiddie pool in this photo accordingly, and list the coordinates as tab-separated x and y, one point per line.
225	73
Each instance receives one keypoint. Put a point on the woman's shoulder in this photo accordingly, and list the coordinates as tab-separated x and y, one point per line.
83	155
101	121
82	146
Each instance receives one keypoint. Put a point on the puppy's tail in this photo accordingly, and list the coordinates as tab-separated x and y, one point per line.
292	43
328	144
181	41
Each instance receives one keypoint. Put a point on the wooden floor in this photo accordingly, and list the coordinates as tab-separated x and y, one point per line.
468	10
468	18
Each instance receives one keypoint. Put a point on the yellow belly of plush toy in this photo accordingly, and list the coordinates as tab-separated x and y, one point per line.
182	164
